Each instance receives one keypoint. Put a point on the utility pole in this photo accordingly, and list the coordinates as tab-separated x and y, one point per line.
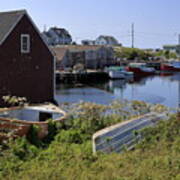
132	34
45	28
178	100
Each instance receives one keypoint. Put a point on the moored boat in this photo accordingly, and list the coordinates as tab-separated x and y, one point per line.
140	69
119	73
116	74
174	66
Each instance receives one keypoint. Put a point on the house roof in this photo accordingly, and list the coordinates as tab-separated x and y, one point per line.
108	39
61	31
59	53
8	21
170	45
47	34
80	47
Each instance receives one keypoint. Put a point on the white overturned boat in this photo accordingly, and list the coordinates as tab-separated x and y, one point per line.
116	137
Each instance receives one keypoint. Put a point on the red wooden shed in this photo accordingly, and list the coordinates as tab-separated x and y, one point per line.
26	62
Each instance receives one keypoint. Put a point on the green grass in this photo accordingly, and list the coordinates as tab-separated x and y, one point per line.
69	153
132	53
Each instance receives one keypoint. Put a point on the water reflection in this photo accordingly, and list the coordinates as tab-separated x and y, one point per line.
161	89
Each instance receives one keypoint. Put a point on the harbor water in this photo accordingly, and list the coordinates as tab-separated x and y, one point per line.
160	89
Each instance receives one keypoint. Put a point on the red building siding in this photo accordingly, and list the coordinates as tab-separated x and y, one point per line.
26	75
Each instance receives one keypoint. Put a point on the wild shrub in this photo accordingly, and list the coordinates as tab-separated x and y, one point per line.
32	135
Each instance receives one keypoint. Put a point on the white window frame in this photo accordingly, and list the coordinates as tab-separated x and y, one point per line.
27	50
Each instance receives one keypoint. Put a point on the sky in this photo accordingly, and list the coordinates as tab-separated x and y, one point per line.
156	22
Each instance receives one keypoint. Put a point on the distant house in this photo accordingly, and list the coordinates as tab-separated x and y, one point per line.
57	36
172	48
88	42
26	63
91	56
106	40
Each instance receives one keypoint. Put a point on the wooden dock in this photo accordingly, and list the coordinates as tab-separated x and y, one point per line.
69	77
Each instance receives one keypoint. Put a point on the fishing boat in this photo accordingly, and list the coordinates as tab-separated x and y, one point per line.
167	67
117	72
140	69
174	66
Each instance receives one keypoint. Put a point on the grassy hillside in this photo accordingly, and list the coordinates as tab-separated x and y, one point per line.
135	53
132	53
67	154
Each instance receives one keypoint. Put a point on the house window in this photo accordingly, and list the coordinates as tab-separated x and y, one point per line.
25	43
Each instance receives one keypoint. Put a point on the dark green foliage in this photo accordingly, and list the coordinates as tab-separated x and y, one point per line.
70	136
52	131
33	135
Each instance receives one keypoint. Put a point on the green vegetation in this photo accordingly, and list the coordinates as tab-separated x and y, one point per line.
14	101
67	152
135	53
132	53
166	54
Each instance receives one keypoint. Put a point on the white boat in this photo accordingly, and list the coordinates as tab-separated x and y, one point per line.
119	73
127	74
116	74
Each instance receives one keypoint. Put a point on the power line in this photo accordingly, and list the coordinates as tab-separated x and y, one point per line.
156	34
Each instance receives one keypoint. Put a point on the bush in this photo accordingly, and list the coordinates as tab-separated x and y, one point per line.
32	135
70	136
14	100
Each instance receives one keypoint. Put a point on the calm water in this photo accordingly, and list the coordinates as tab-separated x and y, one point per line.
155	89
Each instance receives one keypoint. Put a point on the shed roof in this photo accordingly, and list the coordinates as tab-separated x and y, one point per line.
61	31
80	47
109	39
8	21
59	53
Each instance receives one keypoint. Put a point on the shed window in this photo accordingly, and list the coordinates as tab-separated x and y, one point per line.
25	43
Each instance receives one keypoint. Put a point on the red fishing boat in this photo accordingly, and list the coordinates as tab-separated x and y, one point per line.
140	69
175	66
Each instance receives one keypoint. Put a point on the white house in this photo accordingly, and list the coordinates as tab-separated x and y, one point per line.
106	40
